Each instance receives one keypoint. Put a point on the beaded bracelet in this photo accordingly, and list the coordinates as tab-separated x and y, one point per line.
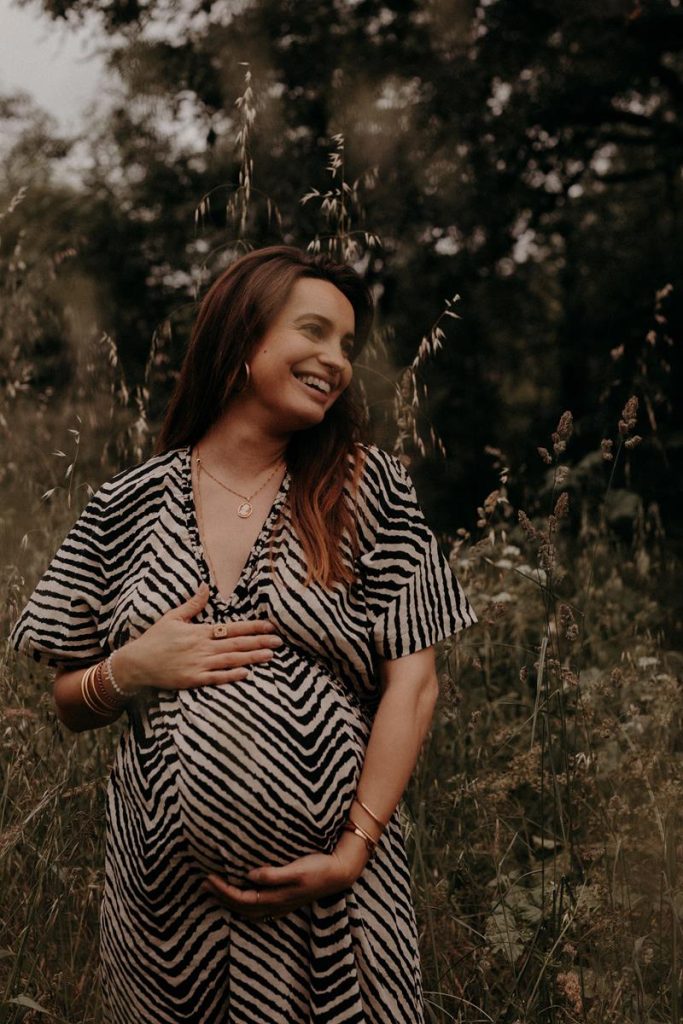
109	666
90	696
109	700
94	692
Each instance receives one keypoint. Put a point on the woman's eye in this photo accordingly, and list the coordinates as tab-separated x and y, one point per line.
315	328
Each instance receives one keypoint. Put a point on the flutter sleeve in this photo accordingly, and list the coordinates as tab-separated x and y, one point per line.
62	624
412	595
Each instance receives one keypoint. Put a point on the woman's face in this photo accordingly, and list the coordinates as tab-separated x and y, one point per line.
302	364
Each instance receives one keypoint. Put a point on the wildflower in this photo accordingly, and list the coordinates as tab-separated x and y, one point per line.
547	556
561	506
474	718
491	500
565	614
566	426
633	441
545	455
628	416
561	475
527	526
564	431
570	680
570	987
606	447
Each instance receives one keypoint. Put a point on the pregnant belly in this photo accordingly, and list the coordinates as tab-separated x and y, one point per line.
267	766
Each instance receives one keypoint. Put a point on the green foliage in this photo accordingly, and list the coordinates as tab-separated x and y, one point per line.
522	163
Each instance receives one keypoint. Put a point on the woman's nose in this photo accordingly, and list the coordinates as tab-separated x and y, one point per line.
333	356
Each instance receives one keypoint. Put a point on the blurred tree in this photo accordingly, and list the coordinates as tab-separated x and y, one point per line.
527	156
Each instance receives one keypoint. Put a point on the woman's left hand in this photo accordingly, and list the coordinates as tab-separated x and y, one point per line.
279	890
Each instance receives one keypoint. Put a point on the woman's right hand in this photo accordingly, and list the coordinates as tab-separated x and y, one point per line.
175	653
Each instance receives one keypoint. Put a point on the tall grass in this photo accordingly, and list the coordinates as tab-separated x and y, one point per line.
542	819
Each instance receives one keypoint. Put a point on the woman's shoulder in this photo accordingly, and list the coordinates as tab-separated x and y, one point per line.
132	491
376	466
154	470
381	482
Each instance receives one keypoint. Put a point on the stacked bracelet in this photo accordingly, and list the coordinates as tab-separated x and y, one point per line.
94	692
353	826
109	666
382	824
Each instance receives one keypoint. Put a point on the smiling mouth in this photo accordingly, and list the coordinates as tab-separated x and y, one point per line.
314	384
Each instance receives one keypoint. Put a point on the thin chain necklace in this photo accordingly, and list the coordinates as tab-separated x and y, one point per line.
246	507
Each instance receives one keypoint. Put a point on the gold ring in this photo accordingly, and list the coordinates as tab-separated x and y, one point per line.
219	630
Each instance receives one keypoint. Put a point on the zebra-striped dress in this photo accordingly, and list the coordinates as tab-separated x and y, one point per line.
260	771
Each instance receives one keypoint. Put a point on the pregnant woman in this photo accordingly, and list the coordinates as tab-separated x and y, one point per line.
261	597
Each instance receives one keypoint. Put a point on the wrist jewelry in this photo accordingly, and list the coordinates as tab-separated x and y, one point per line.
93	695
112	703
89	695
109	666
107	703
357	831
353	826
382	824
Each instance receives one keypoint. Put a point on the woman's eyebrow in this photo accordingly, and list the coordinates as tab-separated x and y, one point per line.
325	320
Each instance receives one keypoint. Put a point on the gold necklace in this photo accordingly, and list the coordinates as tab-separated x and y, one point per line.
245	509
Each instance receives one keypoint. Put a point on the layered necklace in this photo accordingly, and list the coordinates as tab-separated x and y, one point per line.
245	508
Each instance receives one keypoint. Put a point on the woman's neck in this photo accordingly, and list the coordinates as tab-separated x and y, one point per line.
240	447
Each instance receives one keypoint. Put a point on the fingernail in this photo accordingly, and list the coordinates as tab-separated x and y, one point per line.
277	641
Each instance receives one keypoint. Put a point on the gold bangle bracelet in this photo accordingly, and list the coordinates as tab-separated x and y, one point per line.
84	692
94	695
382	824
360	828
369	845
90	696
96	702
109	700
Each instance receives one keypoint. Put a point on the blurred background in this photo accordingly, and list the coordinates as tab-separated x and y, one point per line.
507	175
526	157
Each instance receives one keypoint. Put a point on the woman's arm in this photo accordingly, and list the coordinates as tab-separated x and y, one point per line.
409	691
71	709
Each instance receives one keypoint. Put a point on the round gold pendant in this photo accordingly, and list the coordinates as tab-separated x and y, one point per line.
245	510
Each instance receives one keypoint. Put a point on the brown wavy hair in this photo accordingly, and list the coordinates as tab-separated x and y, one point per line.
232	318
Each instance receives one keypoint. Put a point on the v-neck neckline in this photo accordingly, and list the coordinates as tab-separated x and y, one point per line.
192	524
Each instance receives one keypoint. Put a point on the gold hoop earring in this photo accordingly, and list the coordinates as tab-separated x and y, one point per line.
243	387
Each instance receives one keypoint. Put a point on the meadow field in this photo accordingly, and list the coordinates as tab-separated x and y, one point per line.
543	818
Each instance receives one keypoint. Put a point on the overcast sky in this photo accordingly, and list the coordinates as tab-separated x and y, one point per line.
50	60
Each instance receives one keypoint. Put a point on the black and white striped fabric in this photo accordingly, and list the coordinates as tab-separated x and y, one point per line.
261	771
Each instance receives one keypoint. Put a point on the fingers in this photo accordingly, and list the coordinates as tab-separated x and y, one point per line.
270	875
236	651
229	667
218	678
238	628
188	609
253	904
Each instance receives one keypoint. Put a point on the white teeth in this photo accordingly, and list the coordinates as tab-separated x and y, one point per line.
316	382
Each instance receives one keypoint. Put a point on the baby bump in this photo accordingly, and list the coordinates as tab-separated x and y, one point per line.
267	766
